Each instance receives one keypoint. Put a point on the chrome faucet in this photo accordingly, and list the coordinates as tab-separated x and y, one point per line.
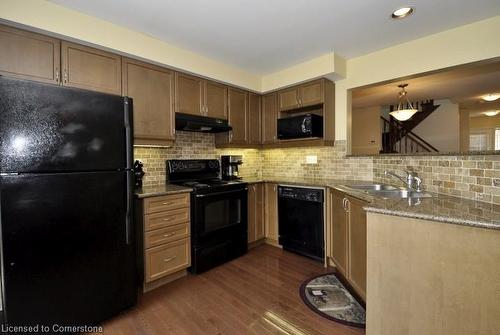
412	181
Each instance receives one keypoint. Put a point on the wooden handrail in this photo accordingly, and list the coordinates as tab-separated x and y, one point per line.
405	132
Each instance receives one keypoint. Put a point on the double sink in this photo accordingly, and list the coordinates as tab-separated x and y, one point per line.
389	192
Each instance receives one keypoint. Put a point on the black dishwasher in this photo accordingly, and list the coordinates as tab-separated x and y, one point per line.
301	220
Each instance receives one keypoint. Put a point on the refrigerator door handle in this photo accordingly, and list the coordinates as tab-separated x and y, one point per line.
128	108
128	218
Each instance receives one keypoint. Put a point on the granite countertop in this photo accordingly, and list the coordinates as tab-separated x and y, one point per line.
441	208
161	189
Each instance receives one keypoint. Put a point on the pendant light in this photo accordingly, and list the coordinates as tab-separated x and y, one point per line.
405	109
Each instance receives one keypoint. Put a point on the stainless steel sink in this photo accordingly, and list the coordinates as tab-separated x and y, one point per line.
389	192
400	194
374	187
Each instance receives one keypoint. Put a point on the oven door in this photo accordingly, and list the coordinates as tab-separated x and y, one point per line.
221	211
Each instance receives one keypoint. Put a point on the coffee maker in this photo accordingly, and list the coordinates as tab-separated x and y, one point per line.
229	166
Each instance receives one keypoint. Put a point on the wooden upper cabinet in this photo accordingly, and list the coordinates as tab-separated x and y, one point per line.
152	90
238	115
289	98
311	93
29	56
357	245
269	117
307	94
189	95
254	119
90	69
215	100
339	232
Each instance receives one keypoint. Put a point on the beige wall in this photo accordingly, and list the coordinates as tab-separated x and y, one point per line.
464	130
442	127
465	44
484	122
366	130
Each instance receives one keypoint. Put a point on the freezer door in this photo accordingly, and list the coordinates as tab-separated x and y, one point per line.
65	253
47	128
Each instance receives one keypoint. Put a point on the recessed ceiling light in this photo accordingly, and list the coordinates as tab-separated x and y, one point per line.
491	113
402	12
491	97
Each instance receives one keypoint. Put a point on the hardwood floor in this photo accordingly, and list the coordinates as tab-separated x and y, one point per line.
254	294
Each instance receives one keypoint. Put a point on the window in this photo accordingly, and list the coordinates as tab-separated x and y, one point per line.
497	139
478	142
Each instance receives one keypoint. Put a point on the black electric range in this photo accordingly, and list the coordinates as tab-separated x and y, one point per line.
218	212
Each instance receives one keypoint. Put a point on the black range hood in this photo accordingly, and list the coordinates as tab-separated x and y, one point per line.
201	124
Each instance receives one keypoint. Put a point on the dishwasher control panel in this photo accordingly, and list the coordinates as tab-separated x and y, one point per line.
300	193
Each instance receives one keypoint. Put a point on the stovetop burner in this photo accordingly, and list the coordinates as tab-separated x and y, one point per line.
210	183
200	174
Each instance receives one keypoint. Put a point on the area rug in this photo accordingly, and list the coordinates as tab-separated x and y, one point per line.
328	297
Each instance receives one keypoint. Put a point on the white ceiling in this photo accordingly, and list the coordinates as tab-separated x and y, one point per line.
263	36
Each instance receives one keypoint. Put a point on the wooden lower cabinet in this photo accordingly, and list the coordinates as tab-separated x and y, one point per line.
271	213
348	239
165	236
339	232
357	245
167	258
256	219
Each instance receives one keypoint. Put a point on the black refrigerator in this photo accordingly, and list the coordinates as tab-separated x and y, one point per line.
67	240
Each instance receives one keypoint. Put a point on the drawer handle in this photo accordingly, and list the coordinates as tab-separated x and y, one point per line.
170	259
169	219
167	203
169	235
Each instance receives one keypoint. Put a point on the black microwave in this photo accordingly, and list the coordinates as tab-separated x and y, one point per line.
302	126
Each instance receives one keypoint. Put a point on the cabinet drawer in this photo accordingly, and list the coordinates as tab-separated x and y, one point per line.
166	259
166	202
166	219
165	235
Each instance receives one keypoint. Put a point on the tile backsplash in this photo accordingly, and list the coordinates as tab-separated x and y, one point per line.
472	177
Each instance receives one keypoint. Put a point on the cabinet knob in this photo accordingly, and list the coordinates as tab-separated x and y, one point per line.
65	76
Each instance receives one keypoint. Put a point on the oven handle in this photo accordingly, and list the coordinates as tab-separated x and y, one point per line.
219	193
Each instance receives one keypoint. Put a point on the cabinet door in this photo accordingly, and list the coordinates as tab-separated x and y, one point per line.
189	97
91	69
252	213
260	218
254	118
311	93
289	98
357	245
216	100
238	114
271	211
339	232
269	117
29	56
152	88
